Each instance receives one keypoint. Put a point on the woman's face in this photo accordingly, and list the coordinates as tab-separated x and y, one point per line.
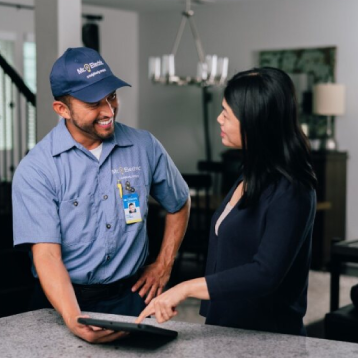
230	127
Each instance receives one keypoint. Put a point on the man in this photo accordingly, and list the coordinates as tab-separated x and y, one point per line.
69	196
132	208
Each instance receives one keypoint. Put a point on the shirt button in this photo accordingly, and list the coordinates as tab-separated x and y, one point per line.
108	226
105	197
75	203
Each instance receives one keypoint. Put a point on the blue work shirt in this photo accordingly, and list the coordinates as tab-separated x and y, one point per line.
62	194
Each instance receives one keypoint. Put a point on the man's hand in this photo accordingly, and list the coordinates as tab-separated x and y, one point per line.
93	334
152	281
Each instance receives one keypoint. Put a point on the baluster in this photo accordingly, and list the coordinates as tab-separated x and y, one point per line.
4	127
12	105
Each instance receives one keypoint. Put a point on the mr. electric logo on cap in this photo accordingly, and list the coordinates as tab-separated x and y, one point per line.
89	66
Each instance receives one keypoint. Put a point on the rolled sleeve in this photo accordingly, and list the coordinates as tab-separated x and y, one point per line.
35	208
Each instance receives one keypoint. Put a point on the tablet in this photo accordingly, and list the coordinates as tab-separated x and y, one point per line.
128	327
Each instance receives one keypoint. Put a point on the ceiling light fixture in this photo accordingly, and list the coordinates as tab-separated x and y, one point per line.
211	70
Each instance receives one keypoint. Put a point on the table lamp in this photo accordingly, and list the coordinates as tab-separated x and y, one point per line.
329	100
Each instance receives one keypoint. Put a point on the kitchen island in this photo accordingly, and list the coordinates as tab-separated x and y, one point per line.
43	334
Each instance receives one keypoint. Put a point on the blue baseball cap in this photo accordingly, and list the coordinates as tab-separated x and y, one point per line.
82	73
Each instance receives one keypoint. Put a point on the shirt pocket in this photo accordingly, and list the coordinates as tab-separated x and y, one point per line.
143	193
78	220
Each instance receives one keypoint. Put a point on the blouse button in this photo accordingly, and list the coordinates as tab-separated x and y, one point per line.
108	226
75	203
105	197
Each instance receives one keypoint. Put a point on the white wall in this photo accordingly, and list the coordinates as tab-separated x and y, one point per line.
56	29
238	31
119	46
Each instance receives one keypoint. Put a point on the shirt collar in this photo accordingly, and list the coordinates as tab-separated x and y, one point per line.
63	141
121	136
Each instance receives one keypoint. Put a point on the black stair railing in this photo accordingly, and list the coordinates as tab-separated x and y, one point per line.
17	120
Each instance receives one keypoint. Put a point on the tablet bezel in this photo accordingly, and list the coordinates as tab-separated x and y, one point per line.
127	327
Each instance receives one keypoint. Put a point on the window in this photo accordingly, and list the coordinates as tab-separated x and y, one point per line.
30	80
6	128
17	116
30	65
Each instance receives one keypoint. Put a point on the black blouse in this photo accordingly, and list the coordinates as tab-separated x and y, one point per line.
257	267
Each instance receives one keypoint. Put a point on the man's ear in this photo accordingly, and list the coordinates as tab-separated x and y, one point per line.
61	109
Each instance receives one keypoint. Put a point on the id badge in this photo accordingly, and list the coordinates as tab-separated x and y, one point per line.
131	208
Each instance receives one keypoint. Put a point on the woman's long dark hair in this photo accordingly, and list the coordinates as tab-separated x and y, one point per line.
273	144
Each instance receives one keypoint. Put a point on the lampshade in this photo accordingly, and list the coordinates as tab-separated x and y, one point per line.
329	99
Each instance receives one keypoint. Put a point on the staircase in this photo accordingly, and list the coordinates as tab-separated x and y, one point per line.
17	110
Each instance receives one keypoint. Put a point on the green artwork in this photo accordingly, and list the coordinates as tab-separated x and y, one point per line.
306	67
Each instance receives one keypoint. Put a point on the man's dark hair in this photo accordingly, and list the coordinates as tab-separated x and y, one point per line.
66	99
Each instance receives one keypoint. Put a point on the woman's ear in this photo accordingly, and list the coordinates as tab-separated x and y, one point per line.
61	109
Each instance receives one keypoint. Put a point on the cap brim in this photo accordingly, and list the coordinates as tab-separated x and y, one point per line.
99	90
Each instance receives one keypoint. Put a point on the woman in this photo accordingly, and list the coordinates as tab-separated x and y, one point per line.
260	242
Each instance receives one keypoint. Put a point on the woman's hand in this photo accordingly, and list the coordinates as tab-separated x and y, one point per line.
164	306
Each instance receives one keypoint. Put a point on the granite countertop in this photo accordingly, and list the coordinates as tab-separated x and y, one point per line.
43	334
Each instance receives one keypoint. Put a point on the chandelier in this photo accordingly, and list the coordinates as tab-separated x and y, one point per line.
211	69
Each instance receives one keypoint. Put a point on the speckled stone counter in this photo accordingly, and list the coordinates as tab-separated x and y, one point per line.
43	334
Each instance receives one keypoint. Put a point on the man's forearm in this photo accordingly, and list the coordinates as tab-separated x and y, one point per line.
175	227
55	281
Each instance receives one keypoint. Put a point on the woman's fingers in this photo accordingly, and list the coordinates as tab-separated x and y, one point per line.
149	310
163	307
158	314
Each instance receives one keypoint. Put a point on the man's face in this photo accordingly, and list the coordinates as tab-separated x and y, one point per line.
131	208
90	123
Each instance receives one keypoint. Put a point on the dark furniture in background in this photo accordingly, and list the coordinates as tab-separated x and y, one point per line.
15	266
197	234
342	324
330	222
342	252
191	259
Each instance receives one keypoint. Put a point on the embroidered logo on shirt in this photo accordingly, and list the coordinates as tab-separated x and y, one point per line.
125	170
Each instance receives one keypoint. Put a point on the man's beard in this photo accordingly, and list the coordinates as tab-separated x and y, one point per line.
90	128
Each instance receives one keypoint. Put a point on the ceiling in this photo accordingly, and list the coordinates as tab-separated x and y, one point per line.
154	5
